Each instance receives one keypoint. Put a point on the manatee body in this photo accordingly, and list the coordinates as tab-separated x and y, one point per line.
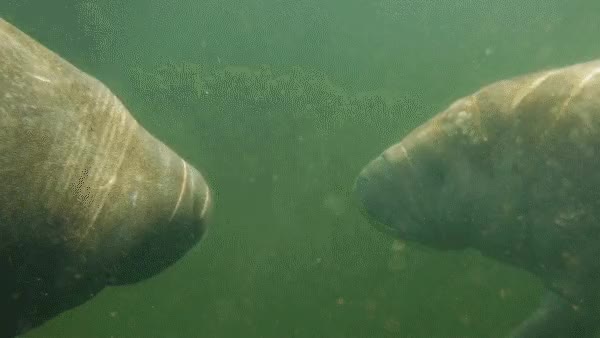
512	170
88	198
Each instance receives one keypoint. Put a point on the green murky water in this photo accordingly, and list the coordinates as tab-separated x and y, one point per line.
280	103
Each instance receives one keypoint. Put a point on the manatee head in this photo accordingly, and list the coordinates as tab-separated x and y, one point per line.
88	197
427	187
511	171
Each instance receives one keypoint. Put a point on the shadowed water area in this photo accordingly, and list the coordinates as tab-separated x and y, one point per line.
281	104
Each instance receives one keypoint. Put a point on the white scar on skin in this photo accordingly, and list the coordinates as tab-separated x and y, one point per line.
578	90
206	202
125	146
41	78
529	89
181	191
405	152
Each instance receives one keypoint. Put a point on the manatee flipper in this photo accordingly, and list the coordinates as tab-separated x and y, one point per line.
88	198
557	318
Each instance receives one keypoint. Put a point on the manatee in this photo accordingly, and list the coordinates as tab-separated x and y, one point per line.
88	198
513	172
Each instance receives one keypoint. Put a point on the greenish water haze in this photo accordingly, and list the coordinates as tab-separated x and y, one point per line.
280	103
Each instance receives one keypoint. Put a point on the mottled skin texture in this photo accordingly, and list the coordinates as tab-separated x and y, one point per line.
88	198
513	171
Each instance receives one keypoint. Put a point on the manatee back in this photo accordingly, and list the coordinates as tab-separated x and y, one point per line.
61	131
546	131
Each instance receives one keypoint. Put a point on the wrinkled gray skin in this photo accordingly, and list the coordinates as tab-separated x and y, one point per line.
88	198
513	171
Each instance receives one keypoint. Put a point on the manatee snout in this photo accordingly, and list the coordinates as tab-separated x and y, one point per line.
179	222
404	193
376	190
200	212
386	191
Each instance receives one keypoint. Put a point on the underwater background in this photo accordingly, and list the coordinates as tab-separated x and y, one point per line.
280	104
